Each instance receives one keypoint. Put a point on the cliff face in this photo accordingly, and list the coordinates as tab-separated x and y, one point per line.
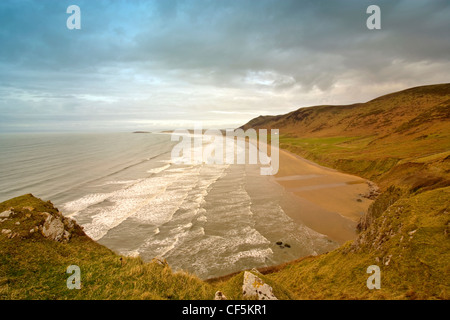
34	219
38	244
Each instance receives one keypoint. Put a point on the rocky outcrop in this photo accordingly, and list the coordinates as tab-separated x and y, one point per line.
5	214
254	287
53	229
373	192
376	209
27	222
220	296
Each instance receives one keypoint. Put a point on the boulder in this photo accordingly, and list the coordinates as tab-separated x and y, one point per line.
5	214
69	223
253	287
220	296
53	228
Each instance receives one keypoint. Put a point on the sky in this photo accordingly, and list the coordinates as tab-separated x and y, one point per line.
167	64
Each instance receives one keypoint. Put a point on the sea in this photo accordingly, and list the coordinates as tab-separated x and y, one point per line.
131	196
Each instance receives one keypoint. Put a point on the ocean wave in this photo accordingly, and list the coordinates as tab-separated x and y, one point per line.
73	207
152	200
258	255
159	169
114	182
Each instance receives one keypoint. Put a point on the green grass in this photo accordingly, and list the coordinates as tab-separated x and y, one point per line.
418	265
376	158
33	267
401	141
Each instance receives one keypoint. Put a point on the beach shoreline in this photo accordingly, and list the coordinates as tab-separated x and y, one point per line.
329	202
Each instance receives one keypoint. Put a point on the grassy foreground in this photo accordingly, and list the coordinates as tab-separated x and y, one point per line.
34	267
409	242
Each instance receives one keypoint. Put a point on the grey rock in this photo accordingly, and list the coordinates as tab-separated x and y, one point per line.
5	214
220	296
66	235
253	287
69	223
53	228
387	260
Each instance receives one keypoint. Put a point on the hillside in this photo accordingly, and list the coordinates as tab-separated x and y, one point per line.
410	111
401	138
37	244
401	141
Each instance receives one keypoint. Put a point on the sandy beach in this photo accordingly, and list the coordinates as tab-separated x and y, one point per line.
326	200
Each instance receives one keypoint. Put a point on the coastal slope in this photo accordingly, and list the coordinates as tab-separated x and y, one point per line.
400	141
402	138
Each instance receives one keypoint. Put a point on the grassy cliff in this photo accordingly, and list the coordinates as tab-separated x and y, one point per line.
401	141
33	266
401	138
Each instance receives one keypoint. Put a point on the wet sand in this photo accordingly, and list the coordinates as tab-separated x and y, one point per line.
326	200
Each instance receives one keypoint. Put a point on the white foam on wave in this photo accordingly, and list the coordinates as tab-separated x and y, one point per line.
132	253
246	235
159	169
152	200
73	207
215	253
260	255
162	247
128	202
113	182
182	169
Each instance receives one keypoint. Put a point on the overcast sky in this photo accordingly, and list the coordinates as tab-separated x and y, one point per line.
164	64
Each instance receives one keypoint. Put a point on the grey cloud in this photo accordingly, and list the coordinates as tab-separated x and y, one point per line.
183	55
